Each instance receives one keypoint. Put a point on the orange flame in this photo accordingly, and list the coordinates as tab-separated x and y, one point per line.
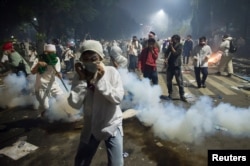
214	58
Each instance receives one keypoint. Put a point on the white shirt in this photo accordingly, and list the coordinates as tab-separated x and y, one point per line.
116	53
48	77
224	46
102	112
134	48
202	54
68	54
32	55
5	58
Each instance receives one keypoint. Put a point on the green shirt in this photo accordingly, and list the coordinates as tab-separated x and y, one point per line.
16	58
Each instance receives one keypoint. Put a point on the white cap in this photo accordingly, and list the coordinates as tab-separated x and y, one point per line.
50	48
93	45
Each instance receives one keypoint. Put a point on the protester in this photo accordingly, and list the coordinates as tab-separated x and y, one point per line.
187	48
152	35
32	55
68	57
201	54
165	45
147	61
173	62
117	59
99	89
59	48
226	58
17	63
4	67
134	49
46	67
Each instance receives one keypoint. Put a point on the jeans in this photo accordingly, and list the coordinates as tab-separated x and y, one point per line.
114	147
151	73
176	71
68	65
133	60
197	70
185	59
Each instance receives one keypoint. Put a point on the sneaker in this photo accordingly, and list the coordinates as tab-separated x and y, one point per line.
203	86
183	98
198	86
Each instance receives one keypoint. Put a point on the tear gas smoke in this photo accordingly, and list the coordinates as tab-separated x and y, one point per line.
61	110
19	91
174	122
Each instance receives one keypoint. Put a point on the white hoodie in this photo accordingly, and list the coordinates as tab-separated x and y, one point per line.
116	53
102	112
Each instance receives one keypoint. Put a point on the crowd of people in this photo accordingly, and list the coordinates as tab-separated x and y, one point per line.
98	88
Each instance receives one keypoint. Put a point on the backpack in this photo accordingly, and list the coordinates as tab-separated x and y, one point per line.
232	47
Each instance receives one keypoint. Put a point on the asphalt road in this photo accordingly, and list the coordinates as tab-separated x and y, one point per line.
57	142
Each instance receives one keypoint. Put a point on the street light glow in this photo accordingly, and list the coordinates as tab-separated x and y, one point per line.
160	21
160	13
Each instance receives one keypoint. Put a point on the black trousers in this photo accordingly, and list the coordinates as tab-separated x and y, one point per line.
171	73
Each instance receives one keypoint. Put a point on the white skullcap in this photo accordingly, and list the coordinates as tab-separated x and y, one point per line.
50	48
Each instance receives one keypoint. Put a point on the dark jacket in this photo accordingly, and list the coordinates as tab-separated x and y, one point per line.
174	58
187	47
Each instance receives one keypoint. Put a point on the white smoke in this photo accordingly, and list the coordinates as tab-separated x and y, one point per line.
175	122
61	110
19	91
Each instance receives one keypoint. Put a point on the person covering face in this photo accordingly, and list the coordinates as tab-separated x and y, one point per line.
99	90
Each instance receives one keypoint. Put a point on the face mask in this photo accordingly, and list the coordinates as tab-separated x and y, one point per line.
91	67
202	43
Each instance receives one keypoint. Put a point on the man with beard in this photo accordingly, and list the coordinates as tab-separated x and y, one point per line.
173	62
201	54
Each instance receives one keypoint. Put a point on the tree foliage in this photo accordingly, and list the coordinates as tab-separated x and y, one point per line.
53	17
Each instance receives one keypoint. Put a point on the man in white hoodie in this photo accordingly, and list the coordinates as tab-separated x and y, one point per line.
118	60
99	89
226	58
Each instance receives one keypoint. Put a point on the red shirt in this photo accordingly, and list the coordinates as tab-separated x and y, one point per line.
148	57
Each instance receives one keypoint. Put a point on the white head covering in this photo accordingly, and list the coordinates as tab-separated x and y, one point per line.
50	48
93	45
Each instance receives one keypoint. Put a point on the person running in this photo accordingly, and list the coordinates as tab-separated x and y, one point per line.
46	67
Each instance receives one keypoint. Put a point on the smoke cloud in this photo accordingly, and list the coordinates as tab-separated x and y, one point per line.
19	91
175	122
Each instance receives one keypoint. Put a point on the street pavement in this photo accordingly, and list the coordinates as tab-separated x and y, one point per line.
57	142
